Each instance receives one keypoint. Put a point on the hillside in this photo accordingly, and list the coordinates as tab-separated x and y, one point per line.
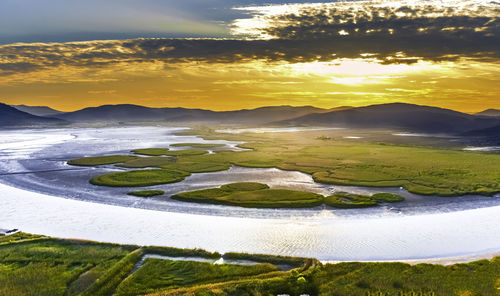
398	116
489	112
10	116
37	110
135	113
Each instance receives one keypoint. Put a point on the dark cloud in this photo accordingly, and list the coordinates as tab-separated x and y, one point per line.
392	34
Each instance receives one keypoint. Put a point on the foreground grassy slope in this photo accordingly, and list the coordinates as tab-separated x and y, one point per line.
157	274
37	265
427	171
44	266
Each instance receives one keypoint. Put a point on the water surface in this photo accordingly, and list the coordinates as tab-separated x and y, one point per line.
42	194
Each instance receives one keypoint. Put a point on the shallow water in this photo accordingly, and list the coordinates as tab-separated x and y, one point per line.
35	160
485	149
323	236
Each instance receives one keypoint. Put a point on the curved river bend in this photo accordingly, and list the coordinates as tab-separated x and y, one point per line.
41	194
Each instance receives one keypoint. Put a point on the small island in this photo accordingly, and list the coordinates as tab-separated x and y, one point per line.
258	195
146	193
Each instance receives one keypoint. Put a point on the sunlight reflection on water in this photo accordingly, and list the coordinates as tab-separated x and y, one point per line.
415	228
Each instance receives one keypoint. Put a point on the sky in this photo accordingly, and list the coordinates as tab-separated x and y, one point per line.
227	55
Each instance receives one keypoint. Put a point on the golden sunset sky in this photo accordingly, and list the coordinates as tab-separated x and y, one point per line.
438	53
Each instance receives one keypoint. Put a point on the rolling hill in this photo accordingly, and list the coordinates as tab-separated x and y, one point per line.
398	116
10	116
37	110
489	112
491	132
135	113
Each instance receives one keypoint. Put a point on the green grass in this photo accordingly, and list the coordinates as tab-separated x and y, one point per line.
188	152
197	167
168	152
198	145
343	200
420	170
101	160
157	274
387	197
347	201
56	267
243	186
253	195
139	178
146	193
476	278
107	283
147	162
17	237
257	195
49	266
151	151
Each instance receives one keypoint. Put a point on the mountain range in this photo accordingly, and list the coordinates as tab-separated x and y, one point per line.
490	112
10	116
396	116
135	113
399	116
37	110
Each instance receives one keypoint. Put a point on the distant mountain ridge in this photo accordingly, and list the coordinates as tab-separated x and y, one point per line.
136	113
489	112
12	117
399	116
491	132
37	110
395	116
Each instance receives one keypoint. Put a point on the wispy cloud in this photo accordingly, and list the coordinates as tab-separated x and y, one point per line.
319	52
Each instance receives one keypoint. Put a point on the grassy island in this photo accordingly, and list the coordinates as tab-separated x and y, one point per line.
420	170
253	195
257	195
101	160
168	152
146	193
198	145
141	178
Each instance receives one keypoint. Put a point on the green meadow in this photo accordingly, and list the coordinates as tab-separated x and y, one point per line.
421	170
146	193
39	265
257	195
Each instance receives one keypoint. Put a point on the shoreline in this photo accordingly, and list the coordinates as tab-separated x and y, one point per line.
60	217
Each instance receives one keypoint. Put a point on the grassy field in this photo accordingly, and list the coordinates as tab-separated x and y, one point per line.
345	200
257	195
38	265
421	170
44	266
139	178
254	195
101	160
146	193
168	152
198	145
157	274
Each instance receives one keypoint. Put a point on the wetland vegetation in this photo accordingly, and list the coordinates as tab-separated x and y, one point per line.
257	195
146	193
39	265
139	178
420	170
